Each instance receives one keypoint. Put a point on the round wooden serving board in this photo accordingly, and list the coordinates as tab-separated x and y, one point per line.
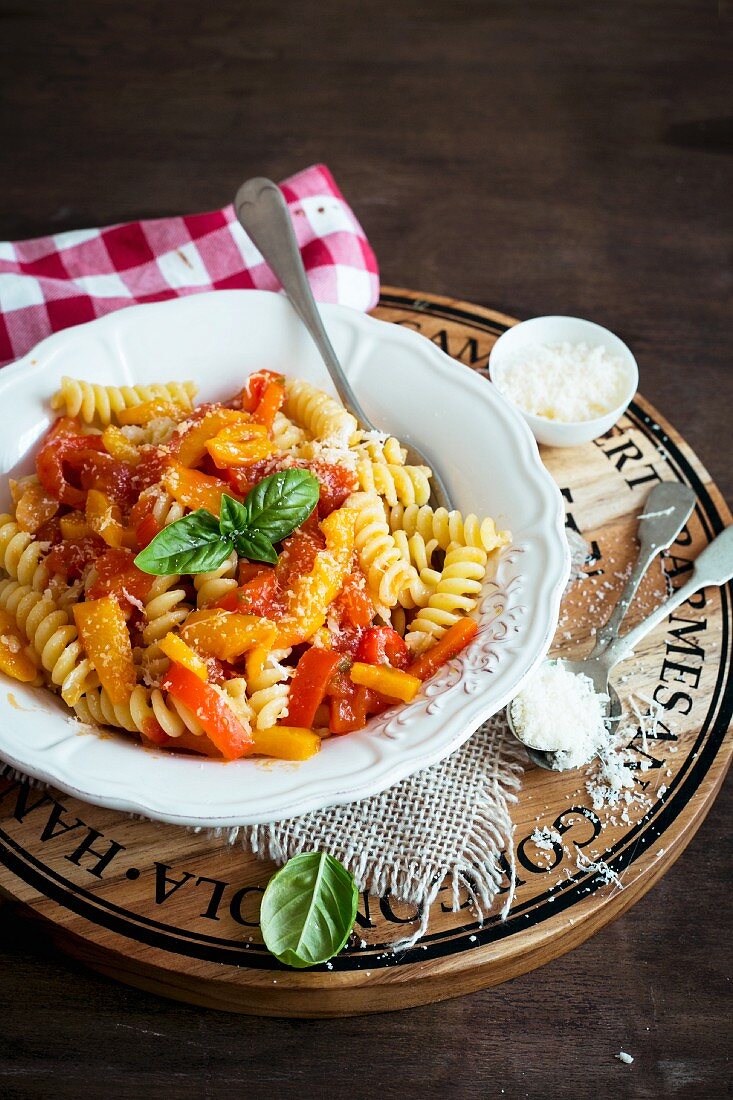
175	912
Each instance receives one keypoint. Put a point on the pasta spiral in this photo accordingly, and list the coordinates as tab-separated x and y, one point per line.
286	435
397	484
101	403
96	708
211	586
21	555
455	595
387	572
52	635
154	433
267	681
447	527
419	553
317	412
165	609
378	448
165	509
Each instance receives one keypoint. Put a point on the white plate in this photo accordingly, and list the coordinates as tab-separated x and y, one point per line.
487	456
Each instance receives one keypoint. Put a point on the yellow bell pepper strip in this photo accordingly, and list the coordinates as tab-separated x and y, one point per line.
15	654
272	401
152	410
310	595
105	518
106	640
34	508
391	682
240	445
190	447
225	634
119	446
194	489
179	651
286	742
74	525
208	703
453	641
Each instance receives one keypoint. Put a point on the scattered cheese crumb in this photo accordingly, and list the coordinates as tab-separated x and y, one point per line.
624	1057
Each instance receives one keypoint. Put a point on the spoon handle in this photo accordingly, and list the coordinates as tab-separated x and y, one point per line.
713	566
263	214
666	510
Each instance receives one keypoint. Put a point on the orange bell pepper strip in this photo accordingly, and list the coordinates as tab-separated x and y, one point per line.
308	685
152	410
240	445
310	595
391	682
225	634
255	386
208	703
286	742
194	489
179	651
190	447
34	508
453	641
106	640
16	656
104	518
272	401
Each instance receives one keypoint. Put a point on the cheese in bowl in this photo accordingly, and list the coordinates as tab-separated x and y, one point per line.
570	379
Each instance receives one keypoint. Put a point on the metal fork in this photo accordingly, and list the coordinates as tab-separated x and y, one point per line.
263	214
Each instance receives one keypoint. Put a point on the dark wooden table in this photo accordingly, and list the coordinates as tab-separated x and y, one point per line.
536	157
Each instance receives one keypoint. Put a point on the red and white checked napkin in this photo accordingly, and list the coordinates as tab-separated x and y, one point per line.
51	283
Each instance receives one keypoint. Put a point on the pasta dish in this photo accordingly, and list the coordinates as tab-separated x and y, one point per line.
234	578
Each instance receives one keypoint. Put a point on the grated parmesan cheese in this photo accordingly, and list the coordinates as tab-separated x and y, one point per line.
561	712
624	1057
570	383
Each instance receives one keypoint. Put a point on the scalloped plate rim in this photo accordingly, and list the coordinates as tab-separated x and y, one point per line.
384	772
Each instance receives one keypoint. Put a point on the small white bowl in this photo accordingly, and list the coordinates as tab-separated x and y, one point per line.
559	330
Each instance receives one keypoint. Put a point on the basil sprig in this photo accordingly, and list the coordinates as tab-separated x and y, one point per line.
308	909
199	542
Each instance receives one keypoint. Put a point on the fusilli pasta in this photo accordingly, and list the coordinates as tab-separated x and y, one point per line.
323	416
387	572
456	594
447	527
93	402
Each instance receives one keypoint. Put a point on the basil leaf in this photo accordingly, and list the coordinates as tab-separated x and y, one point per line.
255	546
232	517
193	544
308	909
281	502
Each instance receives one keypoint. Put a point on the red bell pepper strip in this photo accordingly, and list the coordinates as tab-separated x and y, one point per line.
57	447
217	718
349	713
146	530
453	641
308	686
381	645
